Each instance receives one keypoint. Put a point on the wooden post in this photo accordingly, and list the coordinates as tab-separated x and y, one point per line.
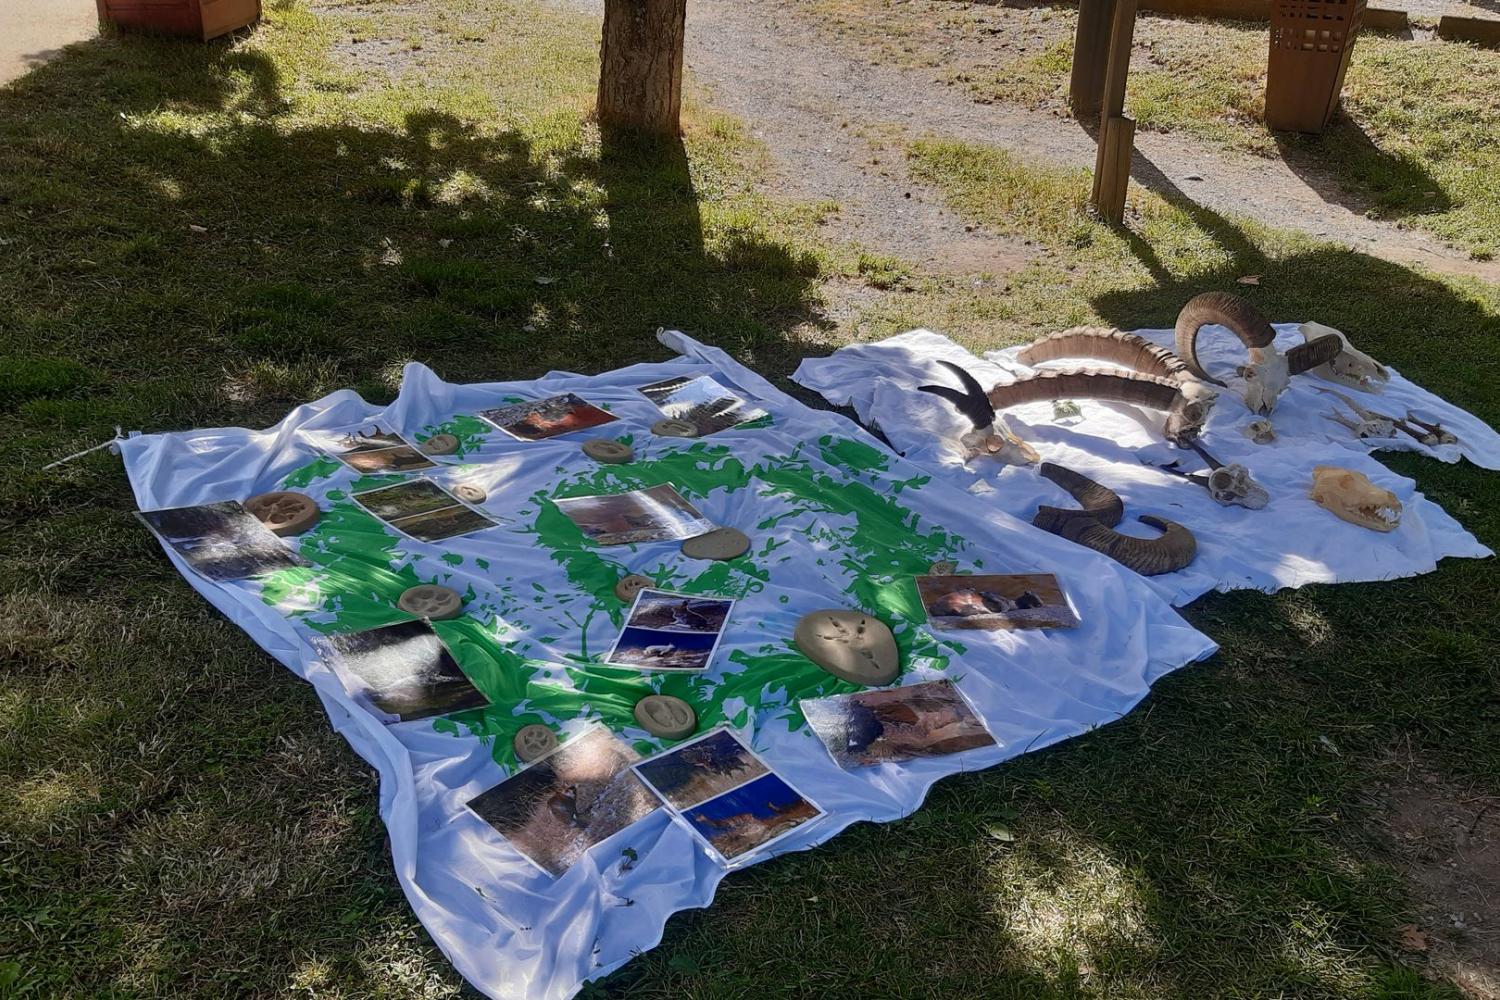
1090	53
1116	132
640	65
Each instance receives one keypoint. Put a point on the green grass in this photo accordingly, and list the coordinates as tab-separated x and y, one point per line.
198	236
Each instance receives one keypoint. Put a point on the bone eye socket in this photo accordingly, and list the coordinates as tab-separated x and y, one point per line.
431	600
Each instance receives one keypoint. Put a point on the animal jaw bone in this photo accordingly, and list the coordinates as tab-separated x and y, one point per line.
1350	495
991	435
1268	372
1092	528
1187	405
1378	425
1440	433
1352	368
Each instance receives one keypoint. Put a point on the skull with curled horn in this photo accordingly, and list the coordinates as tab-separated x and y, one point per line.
1268	372
990	435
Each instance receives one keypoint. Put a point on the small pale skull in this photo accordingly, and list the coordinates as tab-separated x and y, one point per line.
1266	378
1352	368
1260	431
1231	485
1000	443
1351	496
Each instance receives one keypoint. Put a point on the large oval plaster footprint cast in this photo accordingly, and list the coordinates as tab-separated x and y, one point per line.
851	645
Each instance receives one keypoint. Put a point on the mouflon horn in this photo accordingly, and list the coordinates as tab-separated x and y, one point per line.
1096	499
1127	350
1170	551
1225	309
1306	357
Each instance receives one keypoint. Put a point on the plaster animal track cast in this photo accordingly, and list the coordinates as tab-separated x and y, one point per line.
1268	372
850	645
432	601
1350	495
284	512
1091	528
665	716
533	741
1352	369
991	435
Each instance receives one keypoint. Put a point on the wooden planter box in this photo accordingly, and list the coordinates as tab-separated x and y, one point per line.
1311	41
203	19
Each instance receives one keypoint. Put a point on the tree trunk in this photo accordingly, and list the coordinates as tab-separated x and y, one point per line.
640	71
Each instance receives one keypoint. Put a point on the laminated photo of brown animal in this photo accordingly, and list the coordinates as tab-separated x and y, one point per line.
896	724
1008	601
556	808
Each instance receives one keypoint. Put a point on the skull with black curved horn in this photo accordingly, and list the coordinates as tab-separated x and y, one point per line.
1268	372
991	435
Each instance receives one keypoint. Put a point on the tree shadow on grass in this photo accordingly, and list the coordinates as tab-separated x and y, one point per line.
184	249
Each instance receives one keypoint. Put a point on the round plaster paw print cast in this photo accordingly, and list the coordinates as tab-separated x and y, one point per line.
534	741
284	512
431	600
850	645
469	493
631	585
944	568
672	427
720	543
440	444
665	716
608	451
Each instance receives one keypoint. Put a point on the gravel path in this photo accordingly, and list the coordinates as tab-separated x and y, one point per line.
813	107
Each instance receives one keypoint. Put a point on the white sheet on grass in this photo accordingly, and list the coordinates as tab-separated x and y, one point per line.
1292	542
511	930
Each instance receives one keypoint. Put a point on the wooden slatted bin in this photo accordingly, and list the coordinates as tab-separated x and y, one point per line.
1311	41
203	19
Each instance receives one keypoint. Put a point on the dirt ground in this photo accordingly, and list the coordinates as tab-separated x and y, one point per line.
32	31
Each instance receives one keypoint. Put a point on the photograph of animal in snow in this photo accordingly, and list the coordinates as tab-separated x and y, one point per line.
1027	600
221	541
559	806
651	649
405	670
658	609
751	817
703	402
372	450
658	513
423	510
896	724
535	420
696	772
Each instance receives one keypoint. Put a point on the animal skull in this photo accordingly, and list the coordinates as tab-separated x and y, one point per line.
1350	495
1352	368
1231	485
999	442
1260	431
1266	377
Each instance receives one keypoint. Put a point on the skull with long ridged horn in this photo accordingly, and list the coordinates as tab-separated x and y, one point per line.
991	435
1268	372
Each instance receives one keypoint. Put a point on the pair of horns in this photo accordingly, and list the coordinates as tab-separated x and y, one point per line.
1245	322
1093	526
971	401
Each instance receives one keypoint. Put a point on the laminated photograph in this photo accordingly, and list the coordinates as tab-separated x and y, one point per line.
556	808
423	510
727	795
1027	600
535	420
221	541
656	514
372	450
666	631
404	670
932	719
703	402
